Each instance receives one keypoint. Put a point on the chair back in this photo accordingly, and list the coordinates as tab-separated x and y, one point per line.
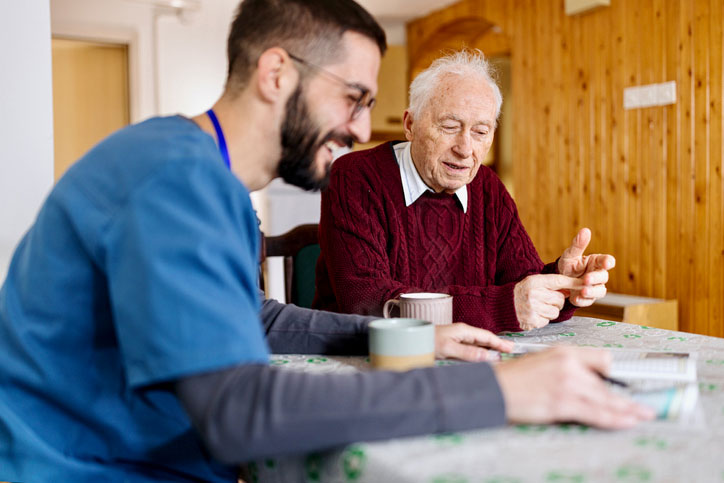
300	249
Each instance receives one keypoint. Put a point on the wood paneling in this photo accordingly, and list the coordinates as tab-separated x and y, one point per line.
648	182
386	117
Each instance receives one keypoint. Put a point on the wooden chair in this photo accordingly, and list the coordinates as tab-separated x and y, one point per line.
300	249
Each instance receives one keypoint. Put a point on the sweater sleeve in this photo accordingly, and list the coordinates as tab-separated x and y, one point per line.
514	257
517	257
296	330
251	411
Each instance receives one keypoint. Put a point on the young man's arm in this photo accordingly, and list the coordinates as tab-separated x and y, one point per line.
254	411
250	412
296	330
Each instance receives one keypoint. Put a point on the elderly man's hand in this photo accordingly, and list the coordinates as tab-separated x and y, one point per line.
564	384
591	269
539	299
465	342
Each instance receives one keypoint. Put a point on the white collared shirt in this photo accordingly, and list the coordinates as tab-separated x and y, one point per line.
412	184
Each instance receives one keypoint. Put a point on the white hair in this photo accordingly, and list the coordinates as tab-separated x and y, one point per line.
468	61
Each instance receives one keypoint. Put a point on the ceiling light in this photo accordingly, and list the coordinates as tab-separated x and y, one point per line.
187	5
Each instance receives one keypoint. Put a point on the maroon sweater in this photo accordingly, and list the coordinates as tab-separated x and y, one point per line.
374	247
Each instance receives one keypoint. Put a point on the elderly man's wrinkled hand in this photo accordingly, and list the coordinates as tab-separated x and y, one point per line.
591	269
467	343
539	299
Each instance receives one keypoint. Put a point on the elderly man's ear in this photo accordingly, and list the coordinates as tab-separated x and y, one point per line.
407	124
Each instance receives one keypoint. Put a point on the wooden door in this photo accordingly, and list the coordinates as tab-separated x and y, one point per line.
90	96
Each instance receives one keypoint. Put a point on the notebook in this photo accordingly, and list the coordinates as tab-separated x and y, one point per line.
664	381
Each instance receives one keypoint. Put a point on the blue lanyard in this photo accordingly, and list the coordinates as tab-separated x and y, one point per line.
220	138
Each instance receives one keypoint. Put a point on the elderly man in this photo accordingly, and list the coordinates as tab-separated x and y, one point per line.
131	342
426	216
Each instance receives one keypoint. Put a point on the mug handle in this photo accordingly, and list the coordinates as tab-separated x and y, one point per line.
386	307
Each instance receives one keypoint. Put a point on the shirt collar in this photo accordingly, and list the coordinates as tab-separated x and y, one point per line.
412	184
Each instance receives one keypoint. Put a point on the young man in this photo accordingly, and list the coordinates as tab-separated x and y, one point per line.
131	347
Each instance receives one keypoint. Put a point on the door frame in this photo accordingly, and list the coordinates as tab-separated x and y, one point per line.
111	35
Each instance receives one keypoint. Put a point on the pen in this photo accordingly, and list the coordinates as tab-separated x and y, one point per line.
615	382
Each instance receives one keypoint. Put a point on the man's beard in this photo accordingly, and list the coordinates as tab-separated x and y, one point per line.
300	141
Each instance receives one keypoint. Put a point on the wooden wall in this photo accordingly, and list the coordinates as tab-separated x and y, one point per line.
648	182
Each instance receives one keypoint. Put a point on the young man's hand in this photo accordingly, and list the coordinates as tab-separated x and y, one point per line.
467	343
564	384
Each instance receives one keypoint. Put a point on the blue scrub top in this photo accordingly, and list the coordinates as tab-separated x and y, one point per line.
140	268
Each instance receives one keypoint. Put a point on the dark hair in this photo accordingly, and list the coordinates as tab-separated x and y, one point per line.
311	29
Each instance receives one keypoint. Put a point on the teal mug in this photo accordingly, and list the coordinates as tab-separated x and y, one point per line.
401	344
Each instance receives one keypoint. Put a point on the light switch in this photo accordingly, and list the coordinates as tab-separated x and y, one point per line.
630	98
649	95
667	93
579	6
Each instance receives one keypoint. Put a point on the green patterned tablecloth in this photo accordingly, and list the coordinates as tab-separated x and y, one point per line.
656	451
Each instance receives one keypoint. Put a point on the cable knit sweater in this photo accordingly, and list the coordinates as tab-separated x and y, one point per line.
373	247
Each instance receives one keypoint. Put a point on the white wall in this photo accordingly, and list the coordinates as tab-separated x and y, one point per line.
192	57
26	119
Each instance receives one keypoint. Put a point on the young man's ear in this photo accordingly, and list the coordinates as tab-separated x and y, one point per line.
276	76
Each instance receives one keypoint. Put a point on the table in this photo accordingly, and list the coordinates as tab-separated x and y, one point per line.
656	451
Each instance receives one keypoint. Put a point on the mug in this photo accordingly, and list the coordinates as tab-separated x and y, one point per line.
435	307
401	344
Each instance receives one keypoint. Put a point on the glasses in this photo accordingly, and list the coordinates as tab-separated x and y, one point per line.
363	101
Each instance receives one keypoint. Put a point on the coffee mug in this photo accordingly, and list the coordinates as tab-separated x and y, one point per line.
401	344
435	307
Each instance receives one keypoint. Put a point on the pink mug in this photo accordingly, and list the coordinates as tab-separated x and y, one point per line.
434	307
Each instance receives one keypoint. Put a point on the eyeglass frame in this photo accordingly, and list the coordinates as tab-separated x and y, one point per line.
365	100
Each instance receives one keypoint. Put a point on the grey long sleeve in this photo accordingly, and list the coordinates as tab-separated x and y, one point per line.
256	411
295	330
